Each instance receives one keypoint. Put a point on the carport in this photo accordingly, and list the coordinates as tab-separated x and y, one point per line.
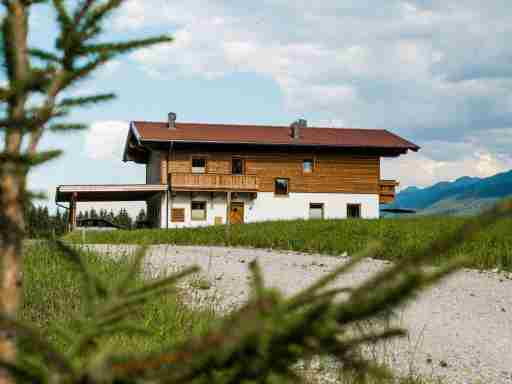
72	194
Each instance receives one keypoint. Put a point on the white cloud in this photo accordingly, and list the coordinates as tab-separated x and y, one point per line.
417	169
378	69
435	72
105	139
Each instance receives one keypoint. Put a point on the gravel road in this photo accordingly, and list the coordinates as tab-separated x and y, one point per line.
459	331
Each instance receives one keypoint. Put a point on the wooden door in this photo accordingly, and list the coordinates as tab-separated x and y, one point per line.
236	213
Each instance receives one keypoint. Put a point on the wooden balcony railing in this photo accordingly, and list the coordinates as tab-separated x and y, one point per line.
213	182
387	191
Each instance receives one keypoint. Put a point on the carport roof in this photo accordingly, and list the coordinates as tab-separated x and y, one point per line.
111	192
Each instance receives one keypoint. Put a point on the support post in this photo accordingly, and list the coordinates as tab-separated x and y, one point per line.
72	211
228	219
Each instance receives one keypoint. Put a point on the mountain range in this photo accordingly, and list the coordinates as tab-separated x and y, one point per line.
464	196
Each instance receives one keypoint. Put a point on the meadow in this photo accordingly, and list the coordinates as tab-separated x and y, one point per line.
53	297
53	291
490	249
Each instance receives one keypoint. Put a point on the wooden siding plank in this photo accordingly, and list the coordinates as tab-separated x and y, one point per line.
335	172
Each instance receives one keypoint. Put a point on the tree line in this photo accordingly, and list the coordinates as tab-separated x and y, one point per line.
40	223
122	217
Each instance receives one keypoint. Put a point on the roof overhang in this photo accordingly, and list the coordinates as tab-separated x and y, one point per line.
141	139
134	150
227	145
95	193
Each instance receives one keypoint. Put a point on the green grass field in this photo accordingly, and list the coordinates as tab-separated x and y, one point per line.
398	237
52	292
52	300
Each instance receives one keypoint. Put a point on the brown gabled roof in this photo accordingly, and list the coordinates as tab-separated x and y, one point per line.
269	135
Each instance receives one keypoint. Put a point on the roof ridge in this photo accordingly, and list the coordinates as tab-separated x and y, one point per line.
254	125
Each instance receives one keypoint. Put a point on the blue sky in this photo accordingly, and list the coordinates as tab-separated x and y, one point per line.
437	72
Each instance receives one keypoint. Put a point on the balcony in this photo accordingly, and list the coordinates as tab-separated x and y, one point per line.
213	182
387	191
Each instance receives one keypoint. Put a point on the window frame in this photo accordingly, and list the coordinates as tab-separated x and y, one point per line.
177	215
198	157
313	163
359	208
287	186
242	160
320	206
205	216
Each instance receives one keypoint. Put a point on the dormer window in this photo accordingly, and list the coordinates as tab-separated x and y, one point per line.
198	165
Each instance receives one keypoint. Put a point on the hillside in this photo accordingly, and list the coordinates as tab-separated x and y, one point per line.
464	196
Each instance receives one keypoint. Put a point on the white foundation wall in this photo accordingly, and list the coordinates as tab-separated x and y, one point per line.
215	207
267	206
296	206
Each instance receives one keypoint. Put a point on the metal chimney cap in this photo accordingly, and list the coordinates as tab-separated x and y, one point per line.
303	123
172	120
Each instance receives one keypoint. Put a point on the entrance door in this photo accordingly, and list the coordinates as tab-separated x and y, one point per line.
236	213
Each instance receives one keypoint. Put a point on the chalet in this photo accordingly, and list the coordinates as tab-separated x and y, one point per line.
204	174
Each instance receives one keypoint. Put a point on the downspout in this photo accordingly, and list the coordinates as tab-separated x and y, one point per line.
169	193
168	188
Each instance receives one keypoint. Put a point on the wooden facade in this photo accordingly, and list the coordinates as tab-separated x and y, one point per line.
333	171
213	182
387	191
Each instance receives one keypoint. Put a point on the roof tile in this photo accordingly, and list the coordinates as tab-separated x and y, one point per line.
271	135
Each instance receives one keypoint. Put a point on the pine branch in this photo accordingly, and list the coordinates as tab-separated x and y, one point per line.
82	10
44	55
63	18
38	344
118	48
86	101
67	127
97	14
29	160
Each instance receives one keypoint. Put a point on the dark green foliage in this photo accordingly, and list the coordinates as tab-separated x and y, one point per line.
398	237
31	104
40	224
123	219
258	343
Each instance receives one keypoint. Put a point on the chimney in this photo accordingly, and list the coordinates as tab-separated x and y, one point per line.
296	127
171	120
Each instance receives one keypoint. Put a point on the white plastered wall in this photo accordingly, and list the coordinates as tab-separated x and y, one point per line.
268	206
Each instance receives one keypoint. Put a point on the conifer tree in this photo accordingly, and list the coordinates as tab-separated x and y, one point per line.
33	102
141	216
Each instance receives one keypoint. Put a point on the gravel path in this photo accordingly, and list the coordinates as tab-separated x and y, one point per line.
459	331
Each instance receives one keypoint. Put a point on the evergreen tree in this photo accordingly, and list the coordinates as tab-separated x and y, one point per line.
141	216
93	214
35	99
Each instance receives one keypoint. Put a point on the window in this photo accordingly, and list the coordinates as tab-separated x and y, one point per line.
198	209
281	186
198	165
354	211
308	165
178	215
237	166
316	211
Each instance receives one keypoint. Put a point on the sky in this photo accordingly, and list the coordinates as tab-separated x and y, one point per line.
438	73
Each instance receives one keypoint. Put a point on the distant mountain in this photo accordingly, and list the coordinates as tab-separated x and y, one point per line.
466	195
